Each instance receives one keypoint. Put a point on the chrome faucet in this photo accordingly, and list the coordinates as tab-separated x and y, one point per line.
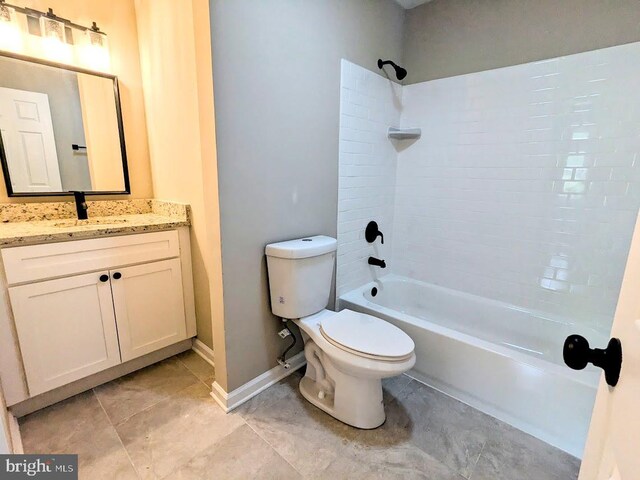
376	262
81	205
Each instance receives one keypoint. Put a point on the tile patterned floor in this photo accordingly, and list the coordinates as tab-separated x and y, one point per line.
161	423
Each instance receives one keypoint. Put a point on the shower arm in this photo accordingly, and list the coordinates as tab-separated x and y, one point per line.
401	73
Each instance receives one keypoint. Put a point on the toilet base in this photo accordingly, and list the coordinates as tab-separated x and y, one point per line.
344	385
310	391
352	400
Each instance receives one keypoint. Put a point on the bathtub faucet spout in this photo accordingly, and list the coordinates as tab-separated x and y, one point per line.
377	262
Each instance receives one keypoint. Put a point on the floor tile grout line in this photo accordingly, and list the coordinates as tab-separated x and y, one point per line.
475	464
95	395
411	380
396	399
144	410
210	386
271	446
193	373
198	381
129	417
117	434
396	396
184	464
153	404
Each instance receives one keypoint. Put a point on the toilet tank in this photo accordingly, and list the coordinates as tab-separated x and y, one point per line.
300	273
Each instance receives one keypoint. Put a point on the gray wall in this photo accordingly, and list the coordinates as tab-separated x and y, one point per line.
277	94
66	113
452	37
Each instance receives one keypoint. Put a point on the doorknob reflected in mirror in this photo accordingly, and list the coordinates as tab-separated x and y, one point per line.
577	354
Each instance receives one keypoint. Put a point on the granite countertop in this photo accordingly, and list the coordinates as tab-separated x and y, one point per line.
31	223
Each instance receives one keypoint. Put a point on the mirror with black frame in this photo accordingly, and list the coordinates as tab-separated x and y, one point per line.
60	130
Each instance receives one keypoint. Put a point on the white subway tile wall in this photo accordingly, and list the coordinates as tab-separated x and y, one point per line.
369	104
525	185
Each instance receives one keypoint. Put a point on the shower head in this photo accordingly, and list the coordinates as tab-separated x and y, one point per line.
400	72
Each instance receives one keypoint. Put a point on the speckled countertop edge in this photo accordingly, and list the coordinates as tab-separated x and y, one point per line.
127	217
34	212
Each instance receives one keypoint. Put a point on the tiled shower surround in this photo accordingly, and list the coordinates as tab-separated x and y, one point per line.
524	187
369	103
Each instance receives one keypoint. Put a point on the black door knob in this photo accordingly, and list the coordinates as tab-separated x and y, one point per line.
104	278
577	355
117	275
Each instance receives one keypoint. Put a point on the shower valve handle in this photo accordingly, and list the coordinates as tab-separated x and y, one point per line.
372	232
577	355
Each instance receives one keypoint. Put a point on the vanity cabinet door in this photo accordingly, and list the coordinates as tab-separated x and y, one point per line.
149	307
66	329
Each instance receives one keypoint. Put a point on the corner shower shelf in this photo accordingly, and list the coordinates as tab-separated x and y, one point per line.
404	133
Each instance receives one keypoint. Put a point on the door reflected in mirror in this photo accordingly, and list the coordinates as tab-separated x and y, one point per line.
60	130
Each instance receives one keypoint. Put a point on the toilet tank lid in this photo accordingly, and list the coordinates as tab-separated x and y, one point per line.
302	247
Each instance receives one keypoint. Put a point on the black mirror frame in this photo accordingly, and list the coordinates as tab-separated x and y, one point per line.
123	149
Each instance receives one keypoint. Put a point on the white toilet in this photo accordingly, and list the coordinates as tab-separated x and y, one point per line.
348	353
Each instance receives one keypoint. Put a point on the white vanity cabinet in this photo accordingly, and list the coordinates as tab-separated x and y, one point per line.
67	329
83	306
149	307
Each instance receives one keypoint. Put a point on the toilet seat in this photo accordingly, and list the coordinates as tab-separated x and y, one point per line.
367	336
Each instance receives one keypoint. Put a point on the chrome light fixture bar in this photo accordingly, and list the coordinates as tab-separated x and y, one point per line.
61	40
30	12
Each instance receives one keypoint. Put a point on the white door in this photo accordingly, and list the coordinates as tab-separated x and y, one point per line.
149	307
613	446
102	135
29	142
66	329
5	435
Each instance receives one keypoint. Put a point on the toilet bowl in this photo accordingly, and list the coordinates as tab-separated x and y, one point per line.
344	381
348	353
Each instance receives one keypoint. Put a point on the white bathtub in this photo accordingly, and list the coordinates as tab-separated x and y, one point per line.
503	360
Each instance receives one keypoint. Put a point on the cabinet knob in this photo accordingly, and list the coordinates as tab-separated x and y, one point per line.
104	278
117	275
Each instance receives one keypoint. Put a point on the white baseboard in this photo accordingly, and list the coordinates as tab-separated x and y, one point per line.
203	350
231	400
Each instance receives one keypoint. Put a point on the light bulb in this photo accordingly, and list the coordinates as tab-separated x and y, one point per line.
93	51
10	33
54	41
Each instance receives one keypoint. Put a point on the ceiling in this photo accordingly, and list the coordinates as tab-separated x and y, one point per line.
407	4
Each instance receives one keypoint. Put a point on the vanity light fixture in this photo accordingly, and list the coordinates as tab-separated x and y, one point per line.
61	40
10	34
93	50
54	39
